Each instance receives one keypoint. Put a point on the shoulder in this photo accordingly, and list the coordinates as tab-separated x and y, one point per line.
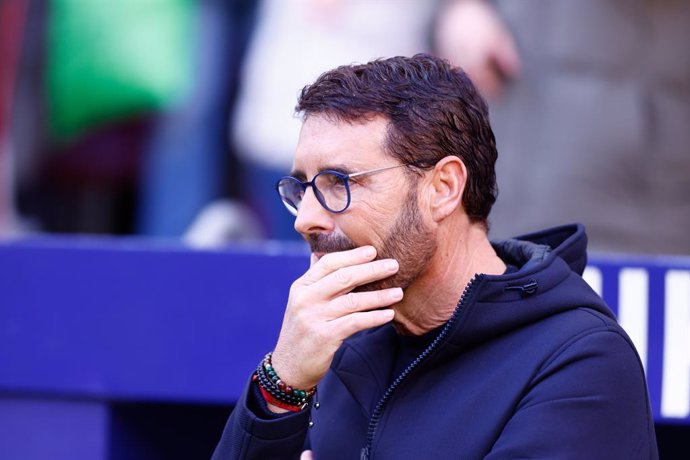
593	347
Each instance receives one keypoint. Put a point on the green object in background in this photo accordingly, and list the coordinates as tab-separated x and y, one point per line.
110	59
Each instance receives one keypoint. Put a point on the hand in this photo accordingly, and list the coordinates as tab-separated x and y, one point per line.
322	312
470	34
306	455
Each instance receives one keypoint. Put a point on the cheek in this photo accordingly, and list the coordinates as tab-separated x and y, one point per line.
371	216
366	228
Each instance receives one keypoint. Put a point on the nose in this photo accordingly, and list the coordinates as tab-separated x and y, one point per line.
312	217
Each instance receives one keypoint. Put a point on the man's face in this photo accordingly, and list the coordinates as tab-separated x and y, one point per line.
384	210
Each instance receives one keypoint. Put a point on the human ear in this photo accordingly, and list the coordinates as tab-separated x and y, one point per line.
448	179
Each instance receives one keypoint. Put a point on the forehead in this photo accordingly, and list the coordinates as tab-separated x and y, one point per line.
325	143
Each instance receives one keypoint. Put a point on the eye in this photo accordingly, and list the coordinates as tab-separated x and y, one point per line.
338	184
328	179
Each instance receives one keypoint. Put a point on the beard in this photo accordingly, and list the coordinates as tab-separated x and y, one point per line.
409	241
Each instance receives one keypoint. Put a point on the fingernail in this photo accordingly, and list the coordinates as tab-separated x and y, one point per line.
388	314
396	294
391	265
368	251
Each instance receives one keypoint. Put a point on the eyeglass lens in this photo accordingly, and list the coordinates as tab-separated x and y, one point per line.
331	190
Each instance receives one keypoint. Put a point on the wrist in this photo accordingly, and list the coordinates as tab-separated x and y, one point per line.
282	364
278	395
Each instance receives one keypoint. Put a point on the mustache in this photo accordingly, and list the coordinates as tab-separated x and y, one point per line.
329	243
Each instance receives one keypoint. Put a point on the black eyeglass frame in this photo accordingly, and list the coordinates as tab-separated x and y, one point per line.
293	208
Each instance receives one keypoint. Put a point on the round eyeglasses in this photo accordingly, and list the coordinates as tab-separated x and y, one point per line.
331	188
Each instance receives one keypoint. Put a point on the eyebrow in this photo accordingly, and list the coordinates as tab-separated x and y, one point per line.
297	174
341	168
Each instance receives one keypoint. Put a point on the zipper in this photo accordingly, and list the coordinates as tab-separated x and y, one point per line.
380	406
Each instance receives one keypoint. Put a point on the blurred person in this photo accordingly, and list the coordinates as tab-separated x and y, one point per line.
591	107
412	335
12	20
293	42
120	115
189	170
92	76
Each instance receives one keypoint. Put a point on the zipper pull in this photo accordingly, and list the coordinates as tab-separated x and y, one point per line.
365	453
528	288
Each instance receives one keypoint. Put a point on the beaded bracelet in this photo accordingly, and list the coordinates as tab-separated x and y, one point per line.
275	402
269	380
273	388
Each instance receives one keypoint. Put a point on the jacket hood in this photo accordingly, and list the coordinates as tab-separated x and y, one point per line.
546	283
569	242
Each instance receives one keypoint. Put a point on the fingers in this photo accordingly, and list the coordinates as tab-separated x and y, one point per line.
473	36
363	301
306	455
350	324
337	273
345	279
333	261
507	57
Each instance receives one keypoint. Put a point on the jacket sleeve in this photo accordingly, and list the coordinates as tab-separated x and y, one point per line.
253	432
589	400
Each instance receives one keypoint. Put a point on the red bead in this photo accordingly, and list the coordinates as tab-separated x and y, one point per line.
288	389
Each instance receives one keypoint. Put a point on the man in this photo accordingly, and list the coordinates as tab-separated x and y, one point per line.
423	338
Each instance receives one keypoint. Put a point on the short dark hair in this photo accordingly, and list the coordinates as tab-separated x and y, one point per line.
434	111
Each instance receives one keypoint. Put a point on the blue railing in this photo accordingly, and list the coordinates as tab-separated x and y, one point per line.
108	320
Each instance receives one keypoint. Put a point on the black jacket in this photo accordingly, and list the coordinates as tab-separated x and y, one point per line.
531	365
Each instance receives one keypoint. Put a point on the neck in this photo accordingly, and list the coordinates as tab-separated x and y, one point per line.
430	301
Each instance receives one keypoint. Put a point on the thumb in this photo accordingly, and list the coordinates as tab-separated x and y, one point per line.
306	455
507	58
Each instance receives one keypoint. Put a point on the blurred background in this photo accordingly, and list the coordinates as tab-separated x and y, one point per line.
171	120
